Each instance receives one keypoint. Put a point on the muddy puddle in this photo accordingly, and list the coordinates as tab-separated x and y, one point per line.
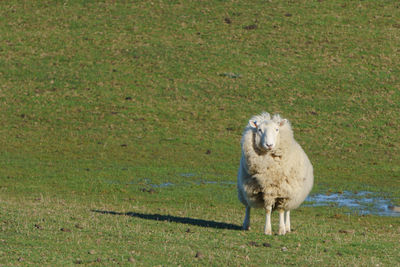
363	203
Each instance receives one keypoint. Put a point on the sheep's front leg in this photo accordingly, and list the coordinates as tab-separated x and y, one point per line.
267	228
287	221
246	222
281	222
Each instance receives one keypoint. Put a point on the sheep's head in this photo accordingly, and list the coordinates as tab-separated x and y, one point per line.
266	133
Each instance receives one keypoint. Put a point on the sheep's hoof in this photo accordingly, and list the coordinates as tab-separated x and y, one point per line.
246	228
281	231
268	232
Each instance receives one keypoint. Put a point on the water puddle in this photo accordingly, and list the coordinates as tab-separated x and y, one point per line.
363	203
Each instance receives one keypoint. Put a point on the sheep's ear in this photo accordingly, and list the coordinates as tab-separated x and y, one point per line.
253	124
283	122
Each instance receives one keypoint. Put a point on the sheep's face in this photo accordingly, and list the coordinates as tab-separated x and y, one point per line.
266	134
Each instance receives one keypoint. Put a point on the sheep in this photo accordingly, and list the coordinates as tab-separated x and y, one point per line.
275	172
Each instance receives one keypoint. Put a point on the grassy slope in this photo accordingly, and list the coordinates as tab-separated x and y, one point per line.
97	100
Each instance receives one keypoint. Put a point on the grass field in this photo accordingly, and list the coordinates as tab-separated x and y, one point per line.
121	123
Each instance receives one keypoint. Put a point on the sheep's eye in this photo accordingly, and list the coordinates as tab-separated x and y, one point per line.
259	130
277	129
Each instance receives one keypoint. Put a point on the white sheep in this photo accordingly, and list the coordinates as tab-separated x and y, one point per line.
275	173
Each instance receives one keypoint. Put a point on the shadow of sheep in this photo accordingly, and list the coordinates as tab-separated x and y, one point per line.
171	218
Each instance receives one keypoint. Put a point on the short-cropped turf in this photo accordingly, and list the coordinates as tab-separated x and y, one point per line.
102	100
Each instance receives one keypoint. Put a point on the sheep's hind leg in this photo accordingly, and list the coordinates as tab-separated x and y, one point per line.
267	228
282	229
246	222
287	221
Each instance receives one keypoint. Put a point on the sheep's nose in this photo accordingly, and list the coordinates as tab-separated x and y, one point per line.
269	146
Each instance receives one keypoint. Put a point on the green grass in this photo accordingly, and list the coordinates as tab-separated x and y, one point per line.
101	99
